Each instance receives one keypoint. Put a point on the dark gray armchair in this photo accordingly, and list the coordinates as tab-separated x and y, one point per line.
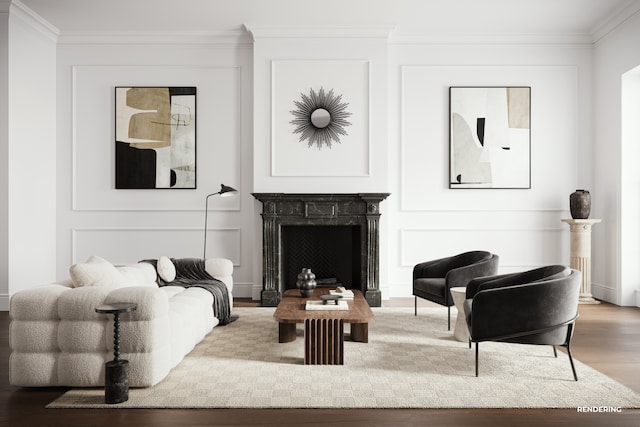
538	306
432	280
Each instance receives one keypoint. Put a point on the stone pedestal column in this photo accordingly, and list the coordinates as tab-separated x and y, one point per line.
581	254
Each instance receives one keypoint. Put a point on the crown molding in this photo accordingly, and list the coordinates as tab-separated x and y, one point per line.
29	17
347	32
221	38
615	20
491	39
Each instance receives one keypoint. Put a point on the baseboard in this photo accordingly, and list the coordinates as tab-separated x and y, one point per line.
604	293
4	302
397	290
386	292
243	290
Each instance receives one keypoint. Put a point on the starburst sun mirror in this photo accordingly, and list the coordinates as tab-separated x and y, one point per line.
320	118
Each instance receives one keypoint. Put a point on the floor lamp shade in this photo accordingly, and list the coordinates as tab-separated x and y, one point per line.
225	191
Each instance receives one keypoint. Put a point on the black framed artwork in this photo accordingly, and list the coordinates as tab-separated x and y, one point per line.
490	137
155	130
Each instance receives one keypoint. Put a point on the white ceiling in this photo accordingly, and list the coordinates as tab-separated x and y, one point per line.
409	17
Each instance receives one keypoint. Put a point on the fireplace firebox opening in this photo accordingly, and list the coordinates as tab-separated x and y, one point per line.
331	252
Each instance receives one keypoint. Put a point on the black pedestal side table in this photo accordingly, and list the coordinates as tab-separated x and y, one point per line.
116	376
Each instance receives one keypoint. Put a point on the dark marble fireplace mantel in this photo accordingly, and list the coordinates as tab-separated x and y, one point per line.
280	209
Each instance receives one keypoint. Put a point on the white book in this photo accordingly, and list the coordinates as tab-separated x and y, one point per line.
344	295
330	305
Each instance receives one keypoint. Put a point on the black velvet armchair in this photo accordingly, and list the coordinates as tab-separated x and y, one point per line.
538	306
432	280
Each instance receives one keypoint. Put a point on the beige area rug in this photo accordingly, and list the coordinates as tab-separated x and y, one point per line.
409	362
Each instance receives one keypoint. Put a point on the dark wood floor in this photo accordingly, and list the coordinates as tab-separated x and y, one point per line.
607	338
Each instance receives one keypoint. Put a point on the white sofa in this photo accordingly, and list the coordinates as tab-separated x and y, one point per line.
57	338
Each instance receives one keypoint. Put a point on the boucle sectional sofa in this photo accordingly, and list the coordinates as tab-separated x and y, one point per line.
57	338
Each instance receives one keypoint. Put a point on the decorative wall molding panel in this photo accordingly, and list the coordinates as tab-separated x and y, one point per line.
282	46
93	153
424	136
301	149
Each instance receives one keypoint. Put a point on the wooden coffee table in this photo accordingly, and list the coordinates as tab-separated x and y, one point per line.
324	329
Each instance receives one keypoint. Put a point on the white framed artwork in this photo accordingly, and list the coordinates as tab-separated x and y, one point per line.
490	137
320	118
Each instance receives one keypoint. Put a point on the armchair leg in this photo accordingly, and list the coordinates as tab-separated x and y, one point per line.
476	359
568	346
415	305
448	318
555	353
573	368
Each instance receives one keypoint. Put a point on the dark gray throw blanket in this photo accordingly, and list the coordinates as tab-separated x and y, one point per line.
190	272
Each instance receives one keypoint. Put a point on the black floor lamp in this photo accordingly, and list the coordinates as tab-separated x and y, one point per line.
225	191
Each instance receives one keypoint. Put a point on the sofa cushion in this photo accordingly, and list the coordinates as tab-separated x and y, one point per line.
39	303
151	303
96	272
139	274
81	303
433	285
218	267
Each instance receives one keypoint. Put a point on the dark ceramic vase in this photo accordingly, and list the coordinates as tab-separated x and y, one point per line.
306	282
580	204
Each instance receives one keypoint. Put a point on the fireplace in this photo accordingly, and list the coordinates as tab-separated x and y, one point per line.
336	235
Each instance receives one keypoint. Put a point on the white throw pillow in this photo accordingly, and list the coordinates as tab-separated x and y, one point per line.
166	269
139	274
96	272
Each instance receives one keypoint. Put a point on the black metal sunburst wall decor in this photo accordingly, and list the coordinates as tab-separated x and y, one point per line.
320	118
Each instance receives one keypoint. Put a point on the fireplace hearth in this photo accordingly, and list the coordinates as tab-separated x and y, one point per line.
336	235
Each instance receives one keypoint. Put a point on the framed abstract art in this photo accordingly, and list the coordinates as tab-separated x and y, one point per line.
155	130
490	137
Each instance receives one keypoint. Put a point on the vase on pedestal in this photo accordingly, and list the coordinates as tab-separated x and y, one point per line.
580	204
306	282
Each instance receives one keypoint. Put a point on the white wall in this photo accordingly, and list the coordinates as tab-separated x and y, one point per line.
407	148
129	225
630	182
616	276
330	49
427	219
4	155
423	219
30	152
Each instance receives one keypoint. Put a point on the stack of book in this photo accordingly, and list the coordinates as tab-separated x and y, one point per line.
345	293
320	305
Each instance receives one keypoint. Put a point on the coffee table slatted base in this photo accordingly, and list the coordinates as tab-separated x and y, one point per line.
324	342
